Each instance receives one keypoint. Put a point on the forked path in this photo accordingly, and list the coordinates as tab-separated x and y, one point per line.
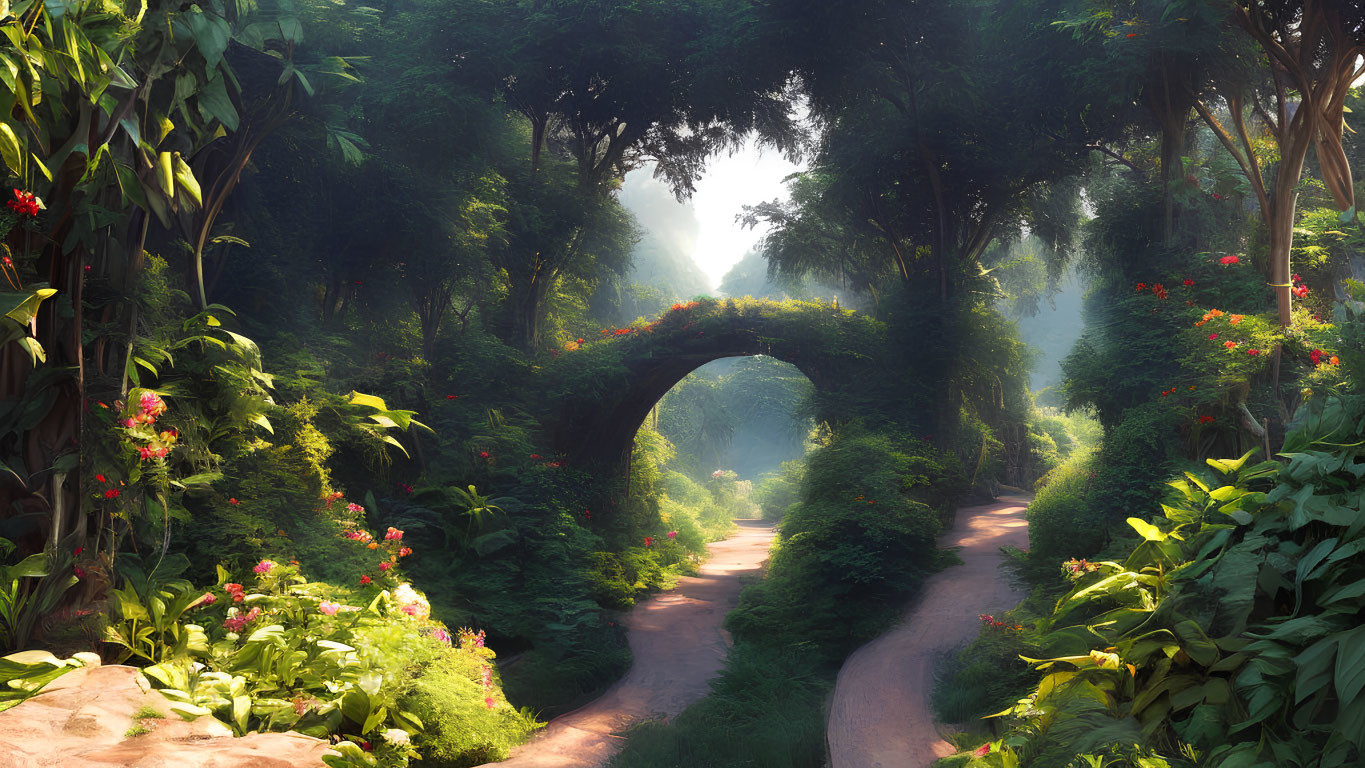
678	645
880	716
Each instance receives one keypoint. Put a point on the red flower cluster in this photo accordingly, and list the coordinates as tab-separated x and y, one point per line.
235	591
1299	290
990	621
1253	352
25	203
681	307
1188	282
112	493
1229	259
649	541
1167	392
1205	419
1317	355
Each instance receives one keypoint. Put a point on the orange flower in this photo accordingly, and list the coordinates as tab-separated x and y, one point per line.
1333	360
1216	313
373	545
1229	344
1235	319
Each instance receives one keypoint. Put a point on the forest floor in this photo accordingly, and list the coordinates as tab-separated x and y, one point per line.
678	645
880	716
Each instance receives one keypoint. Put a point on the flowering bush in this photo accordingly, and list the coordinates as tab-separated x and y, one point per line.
283	653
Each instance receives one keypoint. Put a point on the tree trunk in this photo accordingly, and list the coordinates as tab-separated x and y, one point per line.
1280	218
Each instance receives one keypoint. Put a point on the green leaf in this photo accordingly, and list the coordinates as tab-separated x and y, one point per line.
1350	672
214	101
1146	530
11	150
185	178
371	401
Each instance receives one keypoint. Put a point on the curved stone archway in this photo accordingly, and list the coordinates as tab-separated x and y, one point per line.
619	380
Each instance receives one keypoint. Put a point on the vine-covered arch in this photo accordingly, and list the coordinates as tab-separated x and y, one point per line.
609	386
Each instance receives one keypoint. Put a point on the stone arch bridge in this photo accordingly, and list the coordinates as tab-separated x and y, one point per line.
604	389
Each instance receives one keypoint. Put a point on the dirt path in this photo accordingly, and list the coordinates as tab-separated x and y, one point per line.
880	716
678	646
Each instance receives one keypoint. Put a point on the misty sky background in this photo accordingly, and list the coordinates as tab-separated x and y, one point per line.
704	228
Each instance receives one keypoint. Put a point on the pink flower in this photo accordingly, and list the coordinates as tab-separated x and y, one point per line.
1213	336
985	749
488	702
672	534
441	635
263	567
152	404
329	608
393	534
354	507
385	566
208	599
410	609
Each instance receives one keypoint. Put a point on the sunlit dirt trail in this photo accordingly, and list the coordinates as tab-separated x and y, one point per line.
678	646
880	716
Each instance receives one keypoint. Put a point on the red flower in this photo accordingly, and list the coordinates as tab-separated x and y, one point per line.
1205	419
1300	291
1217	196
100	478
1315	356
1141	287
25	203
112	493
1188	282
536	456
452	397
587	514
1130	35
1253	352
985	749
483	454
580	341
1229	259
234	502
78	551
649	541
1212	336
385	566
1295	277
364	580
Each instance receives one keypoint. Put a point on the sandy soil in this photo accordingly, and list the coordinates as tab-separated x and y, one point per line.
678	646
880	716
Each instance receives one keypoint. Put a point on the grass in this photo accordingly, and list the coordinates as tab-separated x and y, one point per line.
766	710
143	714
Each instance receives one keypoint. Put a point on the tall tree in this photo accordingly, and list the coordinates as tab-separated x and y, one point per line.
1311	56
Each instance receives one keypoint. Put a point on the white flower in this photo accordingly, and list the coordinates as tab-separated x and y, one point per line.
396	736
411	602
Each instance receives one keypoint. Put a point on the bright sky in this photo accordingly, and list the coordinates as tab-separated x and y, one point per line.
731	182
